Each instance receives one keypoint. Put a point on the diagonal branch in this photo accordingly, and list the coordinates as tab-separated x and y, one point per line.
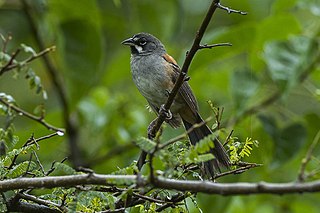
307	158
10	65
189	57
39	119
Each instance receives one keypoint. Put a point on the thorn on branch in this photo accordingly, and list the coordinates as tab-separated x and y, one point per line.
229	10
10	62
210	46
187	78
85	170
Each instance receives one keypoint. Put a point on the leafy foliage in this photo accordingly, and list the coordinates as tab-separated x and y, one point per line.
240	150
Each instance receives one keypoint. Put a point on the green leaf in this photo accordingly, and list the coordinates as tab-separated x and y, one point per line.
287	60
244	84
205	144
204	158
269	125
21	168
271	29
289	142
146	144
64	168
28	49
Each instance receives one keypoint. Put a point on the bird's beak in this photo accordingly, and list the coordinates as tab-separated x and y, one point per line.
128	41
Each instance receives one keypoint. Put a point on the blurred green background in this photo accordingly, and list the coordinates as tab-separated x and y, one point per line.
275	57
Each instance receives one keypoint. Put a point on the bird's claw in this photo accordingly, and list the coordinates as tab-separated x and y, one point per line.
166	112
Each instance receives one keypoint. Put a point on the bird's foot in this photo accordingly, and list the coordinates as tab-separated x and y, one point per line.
166	112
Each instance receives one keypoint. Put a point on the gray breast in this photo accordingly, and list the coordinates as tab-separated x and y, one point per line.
148	75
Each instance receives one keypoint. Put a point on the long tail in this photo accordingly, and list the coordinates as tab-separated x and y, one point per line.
221	158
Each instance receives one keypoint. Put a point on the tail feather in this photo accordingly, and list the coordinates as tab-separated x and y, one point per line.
221	158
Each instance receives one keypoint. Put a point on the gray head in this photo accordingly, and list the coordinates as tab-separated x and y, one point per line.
144	44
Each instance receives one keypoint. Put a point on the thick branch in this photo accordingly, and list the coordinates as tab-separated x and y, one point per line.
163	183
238	188
66	181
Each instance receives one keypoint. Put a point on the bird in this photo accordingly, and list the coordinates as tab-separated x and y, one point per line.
154	73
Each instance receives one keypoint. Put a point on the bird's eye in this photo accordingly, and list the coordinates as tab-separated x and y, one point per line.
142	41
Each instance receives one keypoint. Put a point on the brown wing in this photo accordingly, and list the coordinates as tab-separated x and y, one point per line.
185	90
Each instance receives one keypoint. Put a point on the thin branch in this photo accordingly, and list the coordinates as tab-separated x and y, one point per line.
39	163
183	135
41	201
239	170
174	201
228	138
28	60
30	142
33	140
148	198
18	206
307	158
31	116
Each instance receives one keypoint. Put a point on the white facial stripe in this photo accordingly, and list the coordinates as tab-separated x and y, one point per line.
138	48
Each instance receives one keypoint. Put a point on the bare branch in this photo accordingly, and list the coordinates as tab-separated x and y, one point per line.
207	187
238	188
66	181
41	201
239	170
